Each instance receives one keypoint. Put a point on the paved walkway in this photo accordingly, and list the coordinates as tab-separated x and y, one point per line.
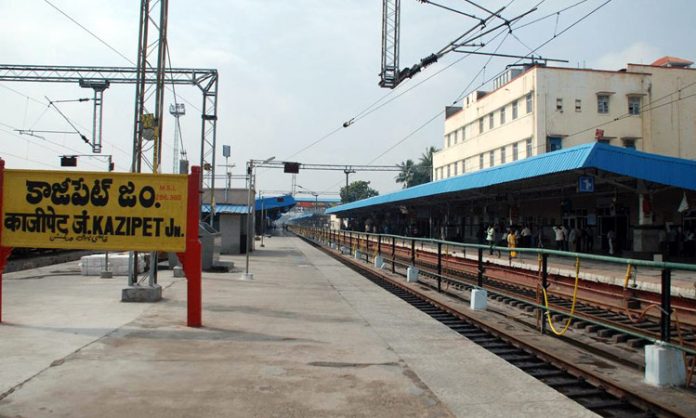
306	338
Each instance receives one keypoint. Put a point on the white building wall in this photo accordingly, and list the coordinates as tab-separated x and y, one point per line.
475	141
670	124
578	127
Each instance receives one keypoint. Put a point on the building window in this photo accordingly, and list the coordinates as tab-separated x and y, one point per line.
502	115
463	166
528	99
629	143
502	155
578	105
463	133
528	146
481	125
515	155
456	168
514	110
449	140
602	103
480	161
554	143
559	104
491	120
448	170
456	136
491	158
634	105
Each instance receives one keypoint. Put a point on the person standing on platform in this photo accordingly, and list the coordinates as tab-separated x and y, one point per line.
525	237
573	239
611	236
590	239
512	242
560	237
490	237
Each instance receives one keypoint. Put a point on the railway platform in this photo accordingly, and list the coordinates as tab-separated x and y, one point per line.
308	337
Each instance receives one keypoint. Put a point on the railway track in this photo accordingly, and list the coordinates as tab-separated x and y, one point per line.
608	311
591	391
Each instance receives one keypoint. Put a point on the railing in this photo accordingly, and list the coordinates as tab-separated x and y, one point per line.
366	245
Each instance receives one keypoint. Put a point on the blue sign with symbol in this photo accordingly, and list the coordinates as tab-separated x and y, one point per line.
585	184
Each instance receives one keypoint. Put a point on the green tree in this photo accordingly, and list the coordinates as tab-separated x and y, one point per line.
413	174
405	176
426	160
357	190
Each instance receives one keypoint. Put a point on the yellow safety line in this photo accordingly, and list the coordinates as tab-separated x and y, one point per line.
572	308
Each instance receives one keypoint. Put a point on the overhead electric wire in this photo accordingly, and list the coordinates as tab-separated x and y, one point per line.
90	32
542	44
108	45
371	108
461	96
46	109
410	134
550	14
42	145
182	151
77	131
451	9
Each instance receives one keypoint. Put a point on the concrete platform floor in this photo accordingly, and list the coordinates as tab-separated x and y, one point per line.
306	338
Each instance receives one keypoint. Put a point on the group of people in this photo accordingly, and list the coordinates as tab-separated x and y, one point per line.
677	242
579	239
515	236
511	237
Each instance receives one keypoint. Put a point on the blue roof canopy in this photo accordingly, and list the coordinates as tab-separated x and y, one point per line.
227	209
275	202
676	172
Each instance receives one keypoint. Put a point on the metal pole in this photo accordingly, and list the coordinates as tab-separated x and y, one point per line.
367	248
106	274
665	316
413	252
439	266
263	222
250	168
393	255
480	268
227	188
379	245
545	285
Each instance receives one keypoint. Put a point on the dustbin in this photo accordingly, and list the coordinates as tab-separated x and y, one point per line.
211	244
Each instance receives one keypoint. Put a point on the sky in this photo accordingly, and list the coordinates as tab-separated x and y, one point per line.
292	72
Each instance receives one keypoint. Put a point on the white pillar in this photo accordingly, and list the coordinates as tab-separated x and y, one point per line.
664	366
412	274
379	261
479	299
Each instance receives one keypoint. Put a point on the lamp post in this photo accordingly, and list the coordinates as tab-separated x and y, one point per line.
250	184
263	220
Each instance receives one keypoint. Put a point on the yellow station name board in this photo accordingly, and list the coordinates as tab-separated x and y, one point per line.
88	210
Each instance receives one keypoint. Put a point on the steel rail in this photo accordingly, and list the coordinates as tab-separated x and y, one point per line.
500	331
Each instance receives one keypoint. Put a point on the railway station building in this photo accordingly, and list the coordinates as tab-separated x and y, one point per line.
646	200
540	109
